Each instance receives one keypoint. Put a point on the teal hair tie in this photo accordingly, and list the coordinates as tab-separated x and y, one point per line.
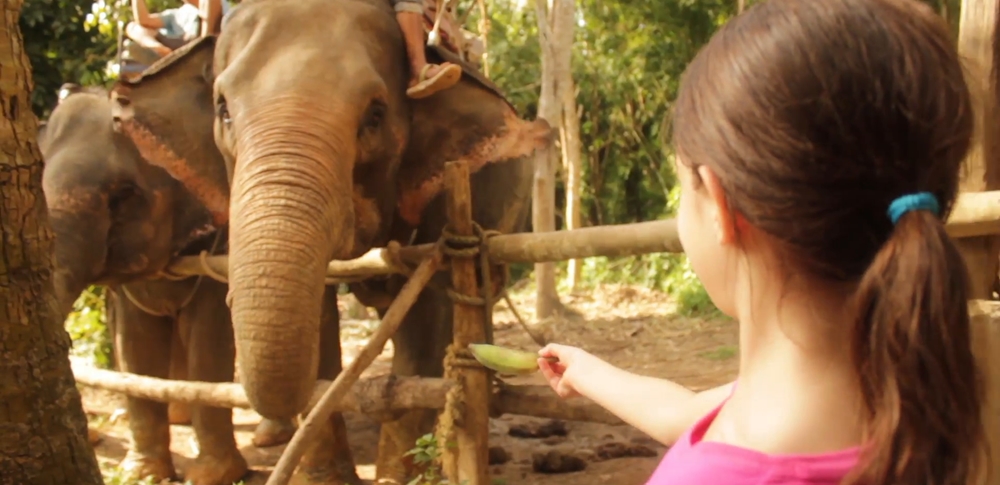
911	202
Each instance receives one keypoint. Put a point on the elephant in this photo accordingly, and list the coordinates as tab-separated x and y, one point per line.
118	221
326	159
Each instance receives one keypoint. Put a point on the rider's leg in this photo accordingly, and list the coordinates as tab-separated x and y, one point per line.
211	12
425	78
146	38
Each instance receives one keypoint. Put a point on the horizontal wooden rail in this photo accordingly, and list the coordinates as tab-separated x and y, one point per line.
609	241
974	214
372	395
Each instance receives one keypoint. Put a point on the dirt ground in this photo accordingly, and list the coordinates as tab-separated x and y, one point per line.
631	327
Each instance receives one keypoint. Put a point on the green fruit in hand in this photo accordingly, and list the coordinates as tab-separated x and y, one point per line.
504	360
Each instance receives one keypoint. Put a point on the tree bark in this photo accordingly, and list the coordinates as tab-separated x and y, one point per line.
43	431
484	33
572	149
543	205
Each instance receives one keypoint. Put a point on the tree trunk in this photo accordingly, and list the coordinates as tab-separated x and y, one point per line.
543	193
484	33
43	431
570	127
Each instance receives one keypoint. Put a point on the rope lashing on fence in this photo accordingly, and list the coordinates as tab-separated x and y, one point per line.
392	254
167	275
458	246
465	247
454	408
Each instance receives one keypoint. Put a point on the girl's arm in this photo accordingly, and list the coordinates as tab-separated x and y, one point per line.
660	408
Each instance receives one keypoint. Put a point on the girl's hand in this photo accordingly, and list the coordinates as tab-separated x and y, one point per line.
565	375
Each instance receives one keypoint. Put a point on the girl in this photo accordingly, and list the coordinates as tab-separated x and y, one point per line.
818	150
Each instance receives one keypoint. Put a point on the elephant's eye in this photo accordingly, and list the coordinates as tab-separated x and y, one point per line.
373	117
222	110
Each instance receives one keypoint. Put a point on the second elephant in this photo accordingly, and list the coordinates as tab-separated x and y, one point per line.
118	221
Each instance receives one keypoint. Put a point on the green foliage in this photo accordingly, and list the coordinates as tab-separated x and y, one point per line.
61	48
683	283
87	326
73	41
628	59
427	454
114	475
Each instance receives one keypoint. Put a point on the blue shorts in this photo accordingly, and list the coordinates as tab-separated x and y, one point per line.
180	23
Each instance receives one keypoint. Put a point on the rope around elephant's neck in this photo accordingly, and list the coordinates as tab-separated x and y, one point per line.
194	289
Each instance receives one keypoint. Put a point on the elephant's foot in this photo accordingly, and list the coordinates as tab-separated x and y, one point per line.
179	413
398	437
328	460
273	433
325	476
211	470
138	466
392	467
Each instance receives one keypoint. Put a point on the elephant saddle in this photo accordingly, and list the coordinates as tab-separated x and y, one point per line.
466	45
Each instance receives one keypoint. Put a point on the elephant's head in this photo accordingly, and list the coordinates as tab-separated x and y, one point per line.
116	218
324	151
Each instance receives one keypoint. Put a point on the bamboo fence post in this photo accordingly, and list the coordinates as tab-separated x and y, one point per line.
342	384
472	432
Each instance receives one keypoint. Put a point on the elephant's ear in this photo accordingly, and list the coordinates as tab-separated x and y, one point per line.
470	121
40	134
168	113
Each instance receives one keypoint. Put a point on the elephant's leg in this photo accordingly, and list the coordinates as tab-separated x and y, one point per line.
273	433
328	460
211	356
178	412
143	344
420	345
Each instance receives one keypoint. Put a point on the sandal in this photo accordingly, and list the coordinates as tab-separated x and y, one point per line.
448	76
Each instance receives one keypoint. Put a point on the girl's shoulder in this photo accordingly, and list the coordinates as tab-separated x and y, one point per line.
692	461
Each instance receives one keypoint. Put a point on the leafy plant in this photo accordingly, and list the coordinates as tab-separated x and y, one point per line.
427	454
115	475
87	326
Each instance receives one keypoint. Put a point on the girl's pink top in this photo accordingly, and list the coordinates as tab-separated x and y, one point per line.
692	461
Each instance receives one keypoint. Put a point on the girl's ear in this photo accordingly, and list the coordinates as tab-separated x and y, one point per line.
723	218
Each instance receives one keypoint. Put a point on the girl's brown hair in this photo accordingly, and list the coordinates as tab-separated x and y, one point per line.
816	115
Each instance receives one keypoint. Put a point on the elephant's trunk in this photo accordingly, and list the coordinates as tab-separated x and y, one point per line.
290	214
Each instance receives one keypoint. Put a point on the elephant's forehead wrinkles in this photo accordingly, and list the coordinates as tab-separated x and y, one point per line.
159	154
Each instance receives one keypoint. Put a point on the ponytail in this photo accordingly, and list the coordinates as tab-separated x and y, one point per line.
921	389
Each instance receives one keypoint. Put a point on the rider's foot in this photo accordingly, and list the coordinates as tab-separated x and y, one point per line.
433	78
